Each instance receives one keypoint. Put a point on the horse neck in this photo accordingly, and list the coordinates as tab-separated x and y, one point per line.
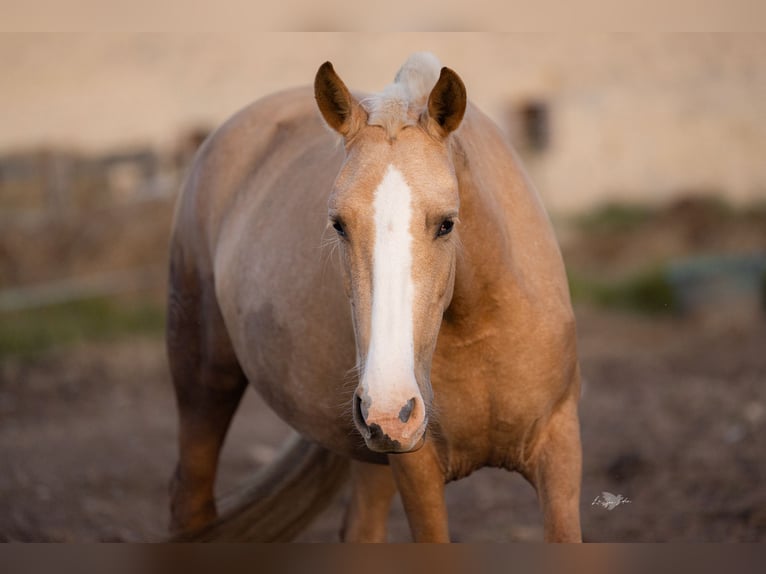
483	251
508	252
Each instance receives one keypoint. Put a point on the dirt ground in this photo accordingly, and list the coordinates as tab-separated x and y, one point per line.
673	418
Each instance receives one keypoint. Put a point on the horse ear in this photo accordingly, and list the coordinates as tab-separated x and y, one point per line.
339	108
446	103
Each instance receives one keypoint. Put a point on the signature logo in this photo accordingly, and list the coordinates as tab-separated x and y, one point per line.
609	501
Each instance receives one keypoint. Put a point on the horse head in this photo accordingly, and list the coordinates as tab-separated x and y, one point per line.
394	208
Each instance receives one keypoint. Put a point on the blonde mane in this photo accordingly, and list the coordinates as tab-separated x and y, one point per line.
402	102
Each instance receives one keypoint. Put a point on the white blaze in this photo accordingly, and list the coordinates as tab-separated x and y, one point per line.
389	369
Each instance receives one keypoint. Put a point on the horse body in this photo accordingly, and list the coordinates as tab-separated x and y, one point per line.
502	382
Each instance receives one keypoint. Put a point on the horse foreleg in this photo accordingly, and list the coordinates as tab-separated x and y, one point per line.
420	480
372	488
556	473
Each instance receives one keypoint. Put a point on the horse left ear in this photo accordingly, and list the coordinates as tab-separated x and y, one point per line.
446	103
339	108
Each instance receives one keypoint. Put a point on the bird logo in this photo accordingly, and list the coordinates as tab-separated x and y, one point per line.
609	501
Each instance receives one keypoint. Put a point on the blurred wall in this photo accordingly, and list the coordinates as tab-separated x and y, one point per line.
636	117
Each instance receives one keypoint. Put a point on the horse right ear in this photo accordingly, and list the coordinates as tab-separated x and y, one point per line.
339	108
446	103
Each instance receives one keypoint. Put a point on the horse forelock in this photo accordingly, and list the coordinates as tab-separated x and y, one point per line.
402	102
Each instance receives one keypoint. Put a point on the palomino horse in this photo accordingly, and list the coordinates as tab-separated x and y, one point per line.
438	340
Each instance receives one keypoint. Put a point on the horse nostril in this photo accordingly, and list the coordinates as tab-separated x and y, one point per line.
359	416
406	412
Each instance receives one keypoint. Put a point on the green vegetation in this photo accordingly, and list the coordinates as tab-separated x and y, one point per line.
33	331
645	292
615	217
763	290
695	241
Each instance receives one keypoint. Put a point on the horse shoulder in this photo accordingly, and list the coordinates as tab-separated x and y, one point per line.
518	305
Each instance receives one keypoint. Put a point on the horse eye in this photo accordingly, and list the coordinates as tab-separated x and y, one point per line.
338	226
445	228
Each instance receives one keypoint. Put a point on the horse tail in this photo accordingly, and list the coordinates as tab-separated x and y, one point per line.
283	499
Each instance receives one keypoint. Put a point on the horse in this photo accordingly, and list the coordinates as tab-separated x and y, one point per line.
382	271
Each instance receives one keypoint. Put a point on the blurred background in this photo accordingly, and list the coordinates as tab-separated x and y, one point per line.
647	149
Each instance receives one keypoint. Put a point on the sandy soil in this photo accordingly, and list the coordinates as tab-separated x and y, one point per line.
673	418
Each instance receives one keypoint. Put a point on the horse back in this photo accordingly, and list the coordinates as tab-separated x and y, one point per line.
228	161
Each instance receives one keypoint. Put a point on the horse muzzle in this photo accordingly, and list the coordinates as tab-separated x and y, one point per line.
387	432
